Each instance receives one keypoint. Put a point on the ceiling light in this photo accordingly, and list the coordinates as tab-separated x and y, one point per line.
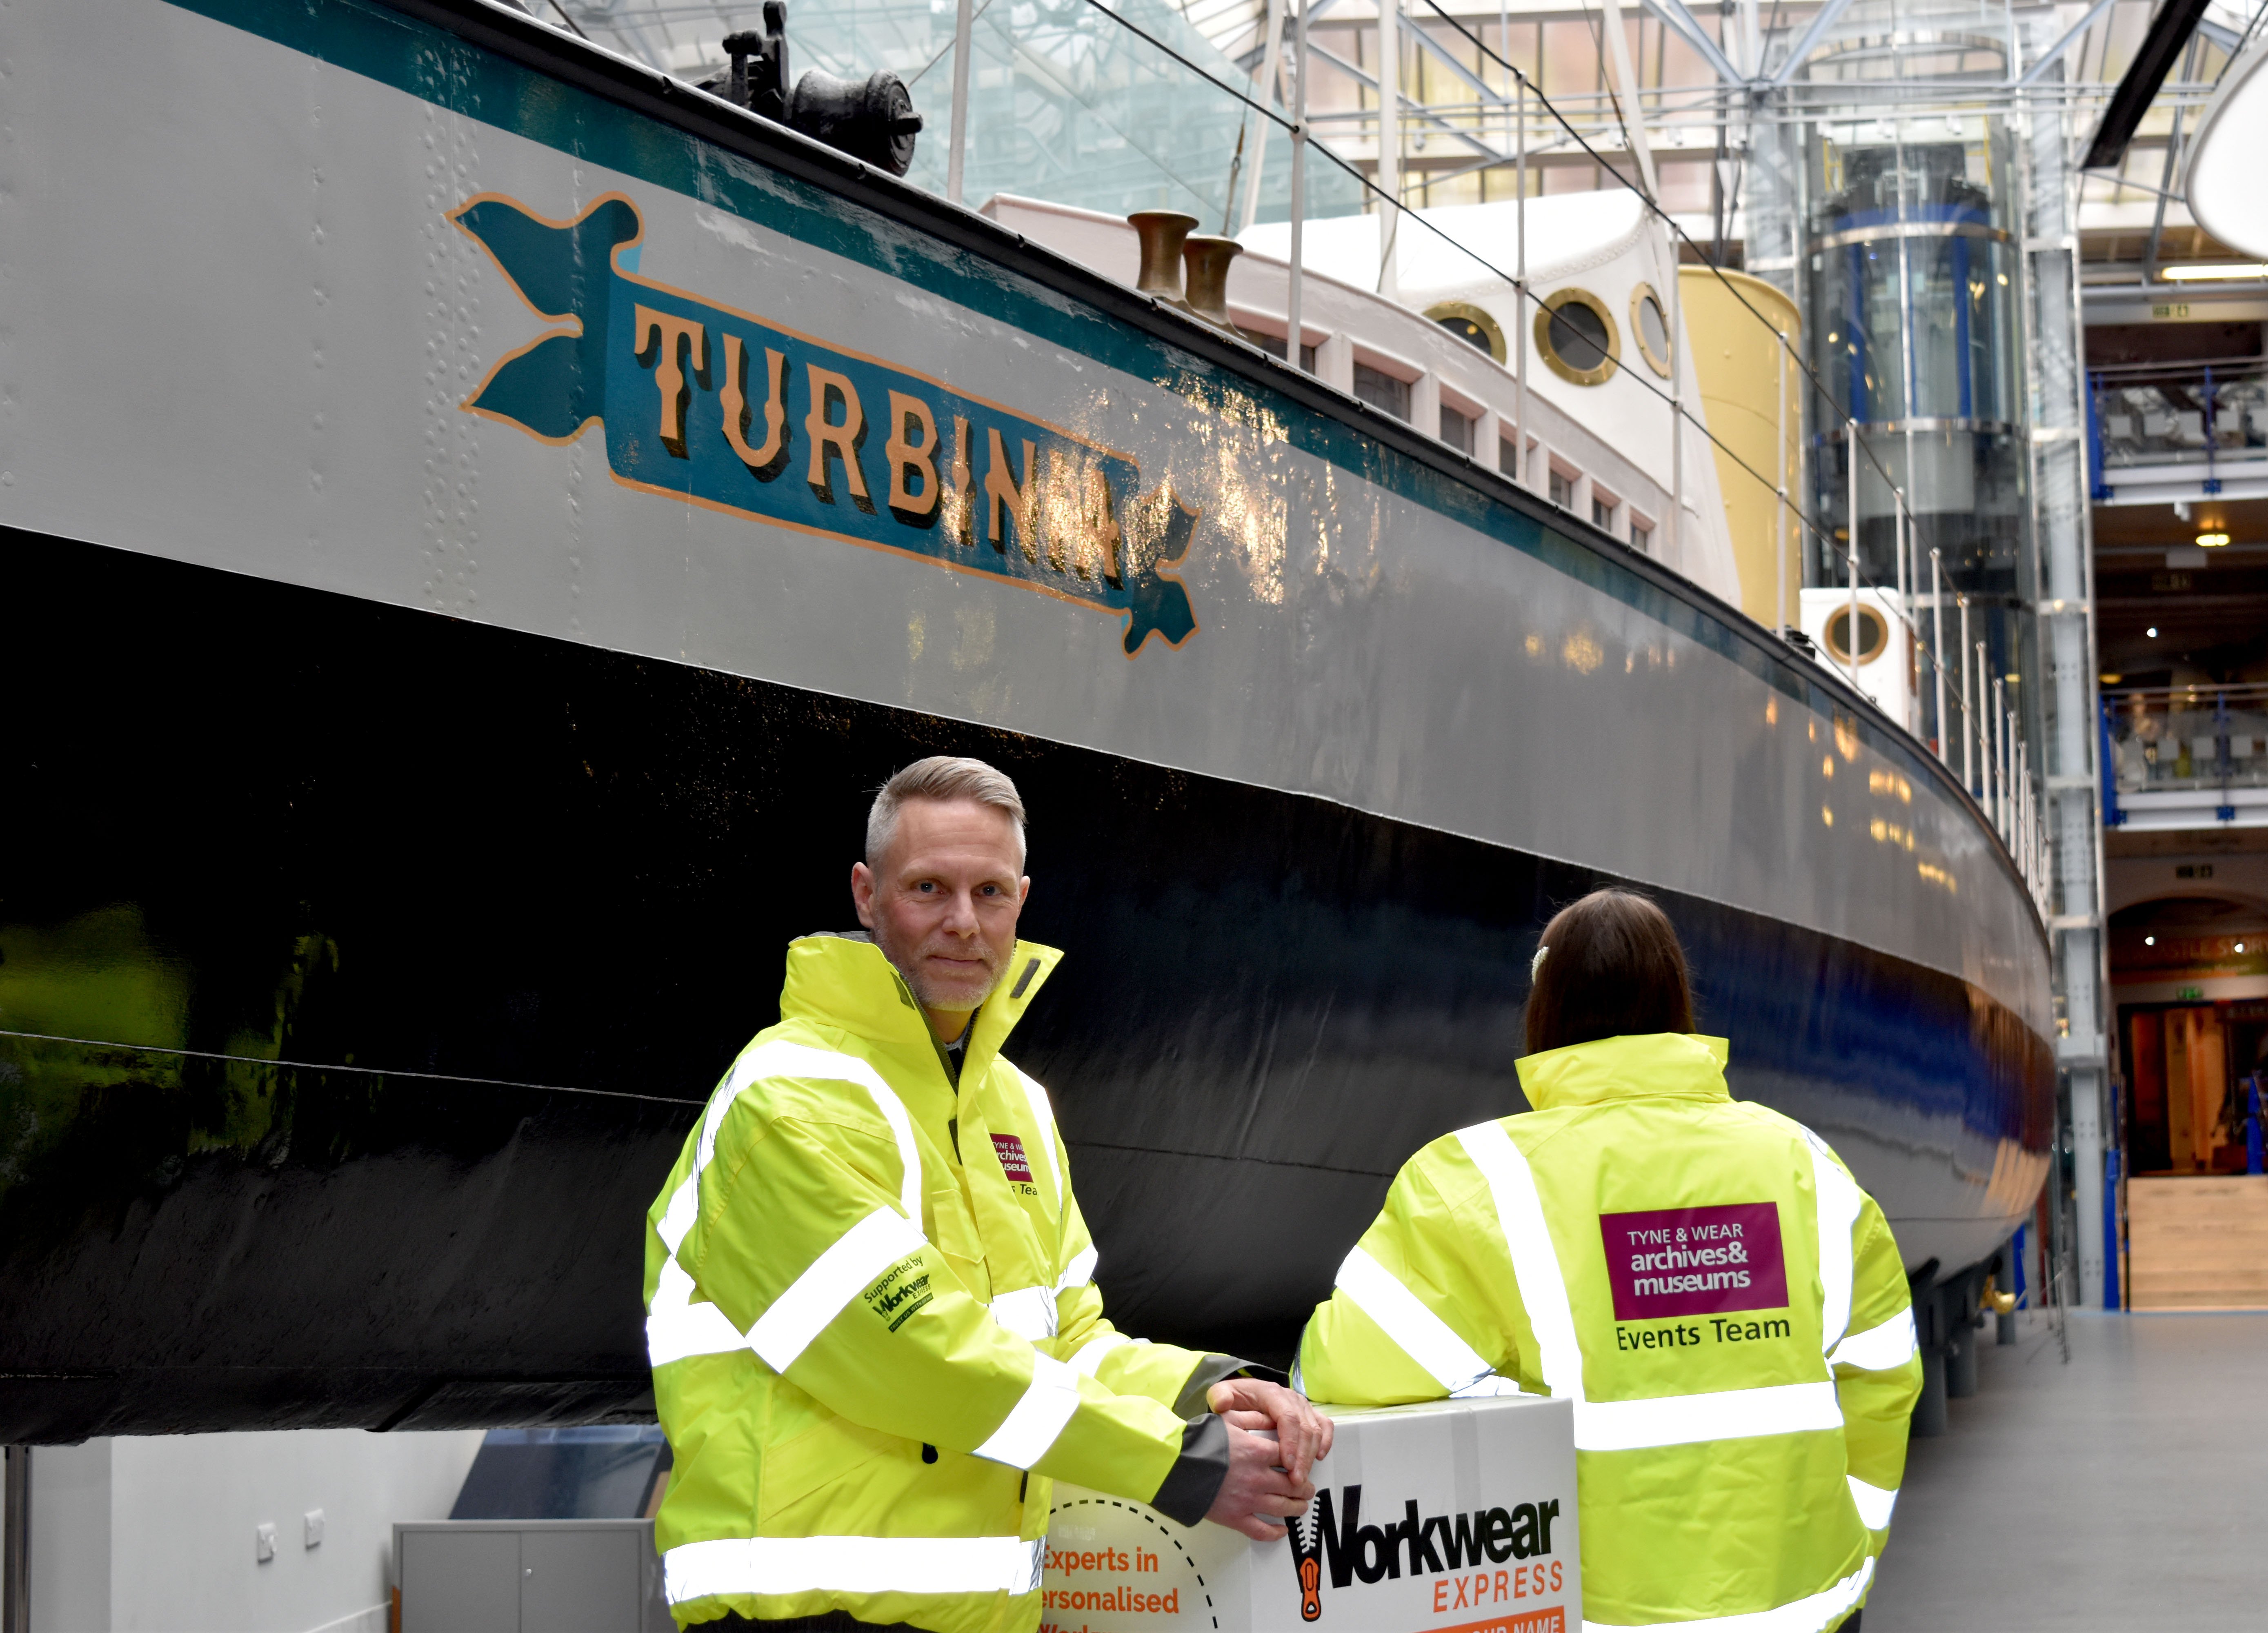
2212	540
2215	269
2149	941
2151	632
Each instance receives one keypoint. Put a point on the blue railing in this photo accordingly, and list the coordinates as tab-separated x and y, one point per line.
2108	759
2182	739
2152	415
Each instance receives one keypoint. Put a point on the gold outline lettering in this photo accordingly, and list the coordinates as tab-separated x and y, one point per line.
1001	488
669	376
764	461
844	438
904	456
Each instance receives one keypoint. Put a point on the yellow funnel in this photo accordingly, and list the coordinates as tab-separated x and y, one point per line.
1735	363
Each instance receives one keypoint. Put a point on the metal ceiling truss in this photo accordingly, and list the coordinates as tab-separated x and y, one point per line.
2169	32
1688	28
1828	15
1448	58
1411	109
2072	37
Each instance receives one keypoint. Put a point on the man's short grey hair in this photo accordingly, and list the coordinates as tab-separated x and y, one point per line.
941	777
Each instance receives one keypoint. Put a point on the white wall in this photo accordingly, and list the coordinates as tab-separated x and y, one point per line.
156	1534
2238	875
70	1537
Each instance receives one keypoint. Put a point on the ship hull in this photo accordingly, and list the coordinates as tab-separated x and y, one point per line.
512	904
420	793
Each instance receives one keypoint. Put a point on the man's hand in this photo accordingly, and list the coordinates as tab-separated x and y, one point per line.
1257	1486
1267	1474
1303	1435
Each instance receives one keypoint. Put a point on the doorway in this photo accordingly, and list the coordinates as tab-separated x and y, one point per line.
2191	979
2188	1067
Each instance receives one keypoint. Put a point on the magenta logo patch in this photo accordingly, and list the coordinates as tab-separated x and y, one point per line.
1695	1261
1010	1150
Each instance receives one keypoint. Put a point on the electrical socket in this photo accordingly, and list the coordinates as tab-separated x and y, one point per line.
263	1544
314	1518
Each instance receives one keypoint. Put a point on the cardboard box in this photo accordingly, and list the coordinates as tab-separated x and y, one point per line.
1452	1516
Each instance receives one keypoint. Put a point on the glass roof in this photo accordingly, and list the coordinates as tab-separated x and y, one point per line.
1065	103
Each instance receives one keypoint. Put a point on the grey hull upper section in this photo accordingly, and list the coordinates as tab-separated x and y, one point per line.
240	328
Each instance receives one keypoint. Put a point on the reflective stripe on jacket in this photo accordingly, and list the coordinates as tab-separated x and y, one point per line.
1706	1280
870	1310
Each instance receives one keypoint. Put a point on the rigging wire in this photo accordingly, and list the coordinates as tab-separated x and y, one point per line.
945	49
1685	238
2242	40
364	1072
1614	100
1855	439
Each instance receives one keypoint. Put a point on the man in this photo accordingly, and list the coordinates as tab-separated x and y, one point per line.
1701	1274
870	1298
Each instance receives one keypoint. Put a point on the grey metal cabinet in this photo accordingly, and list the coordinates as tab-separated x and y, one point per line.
529	1575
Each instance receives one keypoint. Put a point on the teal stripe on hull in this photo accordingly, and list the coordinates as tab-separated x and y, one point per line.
429	63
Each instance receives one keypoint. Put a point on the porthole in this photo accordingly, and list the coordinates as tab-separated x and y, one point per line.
1471	324
1874	634
1651	325
1576	334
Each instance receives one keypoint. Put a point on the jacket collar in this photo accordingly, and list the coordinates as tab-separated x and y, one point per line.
845	982
1685	1065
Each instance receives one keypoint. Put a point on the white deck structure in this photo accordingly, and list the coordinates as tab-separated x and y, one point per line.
1605	448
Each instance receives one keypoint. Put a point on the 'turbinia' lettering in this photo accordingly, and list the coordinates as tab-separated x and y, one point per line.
911	455
633	356
834	439
764	461
668	375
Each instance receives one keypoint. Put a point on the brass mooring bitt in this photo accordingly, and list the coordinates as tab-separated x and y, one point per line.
1207	257
1161	232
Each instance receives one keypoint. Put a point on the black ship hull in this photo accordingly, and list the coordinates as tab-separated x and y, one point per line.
409	949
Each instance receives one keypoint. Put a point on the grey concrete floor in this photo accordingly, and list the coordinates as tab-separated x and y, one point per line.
2126	1490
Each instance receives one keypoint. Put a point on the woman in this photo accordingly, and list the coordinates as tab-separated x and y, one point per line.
1701	1275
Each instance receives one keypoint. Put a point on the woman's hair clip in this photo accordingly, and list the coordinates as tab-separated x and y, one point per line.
1536	964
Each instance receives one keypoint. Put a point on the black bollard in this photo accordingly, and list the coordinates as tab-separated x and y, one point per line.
1961	1362
1929	1418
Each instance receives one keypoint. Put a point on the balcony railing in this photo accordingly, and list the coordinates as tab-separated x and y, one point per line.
2186	756
2195	422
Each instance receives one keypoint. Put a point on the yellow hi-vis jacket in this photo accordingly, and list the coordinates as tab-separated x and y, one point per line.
1704	1279
870	1309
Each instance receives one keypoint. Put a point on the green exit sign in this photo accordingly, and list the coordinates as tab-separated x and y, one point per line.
2175	310
2189	994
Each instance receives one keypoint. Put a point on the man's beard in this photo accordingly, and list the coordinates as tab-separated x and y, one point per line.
927	992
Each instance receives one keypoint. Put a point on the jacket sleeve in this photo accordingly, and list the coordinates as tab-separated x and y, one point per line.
1412	1318
801	1242
1877	1371
1166	1373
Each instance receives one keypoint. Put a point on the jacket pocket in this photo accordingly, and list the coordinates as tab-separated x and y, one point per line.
832	1451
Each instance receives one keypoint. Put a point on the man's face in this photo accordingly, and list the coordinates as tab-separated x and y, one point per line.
943	902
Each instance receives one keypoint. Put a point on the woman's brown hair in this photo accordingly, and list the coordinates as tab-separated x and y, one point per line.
1612	968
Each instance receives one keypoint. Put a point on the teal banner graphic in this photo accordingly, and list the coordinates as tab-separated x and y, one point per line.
724	409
